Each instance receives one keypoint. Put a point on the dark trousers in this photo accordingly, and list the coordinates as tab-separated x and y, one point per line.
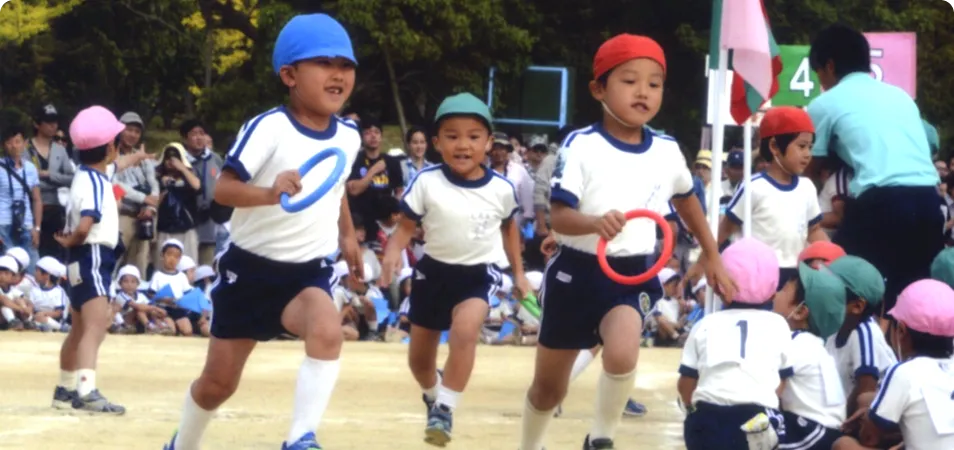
54	219
898	229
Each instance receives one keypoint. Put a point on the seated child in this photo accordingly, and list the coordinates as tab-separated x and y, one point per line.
354	300
204	277
187	266
50	302
861	353
734	359
668	317
915	396
168	276
23	281
813	401
820	253
138	312
17	311
401	328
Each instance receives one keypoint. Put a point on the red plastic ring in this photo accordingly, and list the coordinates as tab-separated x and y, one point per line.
652	271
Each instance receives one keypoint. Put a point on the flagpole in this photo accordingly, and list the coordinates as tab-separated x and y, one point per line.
747	171
718	138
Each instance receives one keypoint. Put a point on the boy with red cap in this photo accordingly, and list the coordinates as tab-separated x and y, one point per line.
615	165
785	211
820	253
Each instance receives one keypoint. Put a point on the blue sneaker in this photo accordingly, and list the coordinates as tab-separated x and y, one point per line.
634	409
172	444
306	442
439	423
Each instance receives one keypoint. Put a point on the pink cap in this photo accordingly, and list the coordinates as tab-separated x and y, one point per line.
94	127
926	306
754	268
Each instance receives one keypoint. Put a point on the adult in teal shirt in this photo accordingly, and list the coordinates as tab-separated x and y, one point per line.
895	219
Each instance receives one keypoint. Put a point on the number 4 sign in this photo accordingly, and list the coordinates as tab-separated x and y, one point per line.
893	60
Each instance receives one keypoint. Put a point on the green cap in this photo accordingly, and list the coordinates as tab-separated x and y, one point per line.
942	269
934	141
861	278
825	299
465	104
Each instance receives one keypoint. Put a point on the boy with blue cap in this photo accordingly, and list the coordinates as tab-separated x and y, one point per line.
274	277
467	211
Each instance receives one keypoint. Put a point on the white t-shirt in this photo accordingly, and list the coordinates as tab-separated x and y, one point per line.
125	300
835	187
814	391
50	299
739	357
596	173
91	195
178	282
916	396
461	218
782	214
865	352
12	293
274	142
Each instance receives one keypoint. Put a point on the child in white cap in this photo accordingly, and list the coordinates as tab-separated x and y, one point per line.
138	312
16	311
23	280
187	266
734	360
50	302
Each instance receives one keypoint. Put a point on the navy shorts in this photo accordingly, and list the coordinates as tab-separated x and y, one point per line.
438	287
805	434
89	273
576	295
716	427
251	292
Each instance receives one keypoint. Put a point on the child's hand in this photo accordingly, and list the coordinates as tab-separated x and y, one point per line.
549	246
717	277
390	266
521	286
63	239
609	225
351	252
287	182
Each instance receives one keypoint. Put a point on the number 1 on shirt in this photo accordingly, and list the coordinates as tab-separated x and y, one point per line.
744	331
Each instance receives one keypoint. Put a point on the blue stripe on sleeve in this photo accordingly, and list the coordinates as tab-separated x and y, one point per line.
687	371
814	221
558	194
787	372
879	421
233	158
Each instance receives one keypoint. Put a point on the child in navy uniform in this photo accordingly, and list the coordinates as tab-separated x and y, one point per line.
274	275
813	401
603	170
734	360
467	211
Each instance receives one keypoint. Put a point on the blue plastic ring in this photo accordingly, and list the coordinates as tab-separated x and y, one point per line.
310	199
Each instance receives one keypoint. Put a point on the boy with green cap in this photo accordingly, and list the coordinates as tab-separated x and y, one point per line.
860	350
813	401
467	212
942	269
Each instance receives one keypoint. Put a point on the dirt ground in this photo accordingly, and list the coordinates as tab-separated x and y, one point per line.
376	404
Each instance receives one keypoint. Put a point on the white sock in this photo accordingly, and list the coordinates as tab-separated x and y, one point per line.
53	324
118	319
67	380
87	381
535	424
192	424
583	361
431	392
7	314
447	397
316	381
611	397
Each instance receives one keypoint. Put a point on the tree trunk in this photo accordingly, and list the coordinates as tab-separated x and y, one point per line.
395	91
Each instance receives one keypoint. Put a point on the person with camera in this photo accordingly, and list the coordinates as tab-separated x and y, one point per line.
21	207
137	211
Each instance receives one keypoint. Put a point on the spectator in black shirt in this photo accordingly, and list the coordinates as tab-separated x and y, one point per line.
374	177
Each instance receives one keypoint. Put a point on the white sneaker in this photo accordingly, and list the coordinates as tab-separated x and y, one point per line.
760	434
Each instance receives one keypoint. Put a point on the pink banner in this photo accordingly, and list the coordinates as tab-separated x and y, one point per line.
894	59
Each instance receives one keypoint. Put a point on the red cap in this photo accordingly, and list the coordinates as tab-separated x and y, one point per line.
785	120
823	250
625	47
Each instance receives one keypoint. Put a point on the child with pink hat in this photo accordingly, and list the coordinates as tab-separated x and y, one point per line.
915	397
734	359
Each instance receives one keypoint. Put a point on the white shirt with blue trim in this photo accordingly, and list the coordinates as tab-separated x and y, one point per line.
782	214
178	284
865	352
49	299
461	218
739	356
917	397
91	195
270	144
597	173
814	390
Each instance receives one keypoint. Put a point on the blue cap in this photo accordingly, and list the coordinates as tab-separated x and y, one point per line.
735	159
311	36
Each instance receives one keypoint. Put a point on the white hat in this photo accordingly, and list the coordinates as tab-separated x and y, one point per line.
51	266
174	243
9	263
203	272
341	268
406	273
20	256
130	270
666	275
701	284
506	284
536	279
185	263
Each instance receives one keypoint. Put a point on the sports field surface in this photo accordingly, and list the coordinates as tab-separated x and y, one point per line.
376	405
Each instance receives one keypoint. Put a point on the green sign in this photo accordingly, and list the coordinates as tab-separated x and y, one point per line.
797	84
